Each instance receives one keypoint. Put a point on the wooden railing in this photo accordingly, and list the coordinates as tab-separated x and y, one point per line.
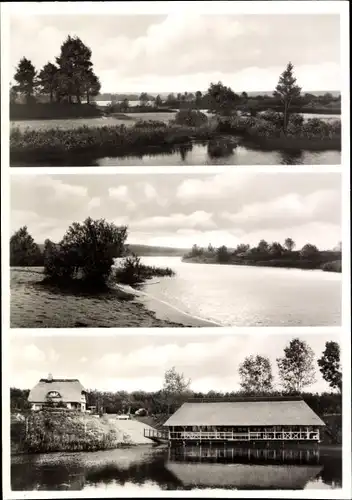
245	436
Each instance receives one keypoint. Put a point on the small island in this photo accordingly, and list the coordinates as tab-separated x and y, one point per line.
269	254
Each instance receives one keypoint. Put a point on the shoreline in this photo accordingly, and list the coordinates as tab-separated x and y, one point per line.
36	306
261	264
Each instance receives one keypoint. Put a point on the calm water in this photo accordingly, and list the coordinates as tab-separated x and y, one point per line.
246	296
197	154
157	468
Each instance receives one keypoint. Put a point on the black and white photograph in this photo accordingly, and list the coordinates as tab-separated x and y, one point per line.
151	413
176	300
163	250
175	90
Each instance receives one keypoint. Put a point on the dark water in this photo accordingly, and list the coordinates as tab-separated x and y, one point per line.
159	468
197	154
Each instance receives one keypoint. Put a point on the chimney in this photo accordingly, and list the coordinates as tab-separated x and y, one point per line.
50	377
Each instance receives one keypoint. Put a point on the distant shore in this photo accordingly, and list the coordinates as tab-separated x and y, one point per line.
34	305
329	266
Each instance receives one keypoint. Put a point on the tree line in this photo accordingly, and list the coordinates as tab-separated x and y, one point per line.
71	78
296	372
262	251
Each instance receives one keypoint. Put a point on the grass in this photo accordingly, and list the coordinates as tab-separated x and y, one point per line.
38	305
44	145
123	134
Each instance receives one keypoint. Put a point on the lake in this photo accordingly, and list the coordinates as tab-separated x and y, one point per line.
231	295
149	468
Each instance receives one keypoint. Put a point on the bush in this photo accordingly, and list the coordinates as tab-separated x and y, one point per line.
333	266
273	117
150	123
191	117
132	272
86	252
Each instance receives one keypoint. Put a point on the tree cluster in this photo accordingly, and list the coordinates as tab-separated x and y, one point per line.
70	79
296	369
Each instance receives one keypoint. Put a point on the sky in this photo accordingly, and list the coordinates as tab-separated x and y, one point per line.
115	363
178	52
179	210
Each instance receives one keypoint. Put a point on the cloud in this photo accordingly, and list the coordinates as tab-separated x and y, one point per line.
182	209
179	52
198	219
121	193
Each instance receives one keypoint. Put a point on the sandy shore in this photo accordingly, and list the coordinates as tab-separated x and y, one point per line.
35	306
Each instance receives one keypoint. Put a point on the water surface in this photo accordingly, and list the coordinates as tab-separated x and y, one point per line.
157	468
246	295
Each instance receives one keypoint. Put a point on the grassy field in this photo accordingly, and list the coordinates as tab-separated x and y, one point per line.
36	306
127	119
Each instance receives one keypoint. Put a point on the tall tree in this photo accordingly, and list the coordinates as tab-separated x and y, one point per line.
309	251
23	249
287	91
223	99
158	101
263	246
198	99
296	367
329	365
222	254
174	388
47	80
289	244
75	68
25	77
143	99
276	249
92	86
256	375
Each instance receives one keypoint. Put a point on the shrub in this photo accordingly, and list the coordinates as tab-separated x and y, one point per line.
86	252
131	271
333	266
273	117
191	117
150	123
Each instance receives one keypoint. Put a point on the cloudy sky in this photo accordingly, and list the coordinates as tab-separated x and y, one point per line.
182	209
178	52
139	362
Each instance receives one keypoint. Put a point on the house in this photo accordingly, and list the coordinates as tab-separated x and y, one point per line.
61	392
243	420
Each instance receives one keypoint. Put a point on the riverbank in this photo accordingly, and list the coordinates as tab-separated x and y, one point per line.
65	146
34	305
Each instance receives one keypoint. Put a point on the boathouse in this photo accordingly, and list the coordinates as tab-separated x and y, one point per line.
243	420
68	393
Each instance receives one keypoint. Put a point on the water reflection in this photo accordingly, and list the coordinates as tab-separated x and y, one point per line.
198	154
177	469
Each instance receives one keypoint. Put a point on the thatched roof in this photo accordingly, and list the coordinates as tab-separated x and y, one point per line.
70	390
245	413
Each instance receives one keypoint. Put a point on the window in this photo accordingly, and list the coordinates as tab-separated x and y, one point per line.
53	394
